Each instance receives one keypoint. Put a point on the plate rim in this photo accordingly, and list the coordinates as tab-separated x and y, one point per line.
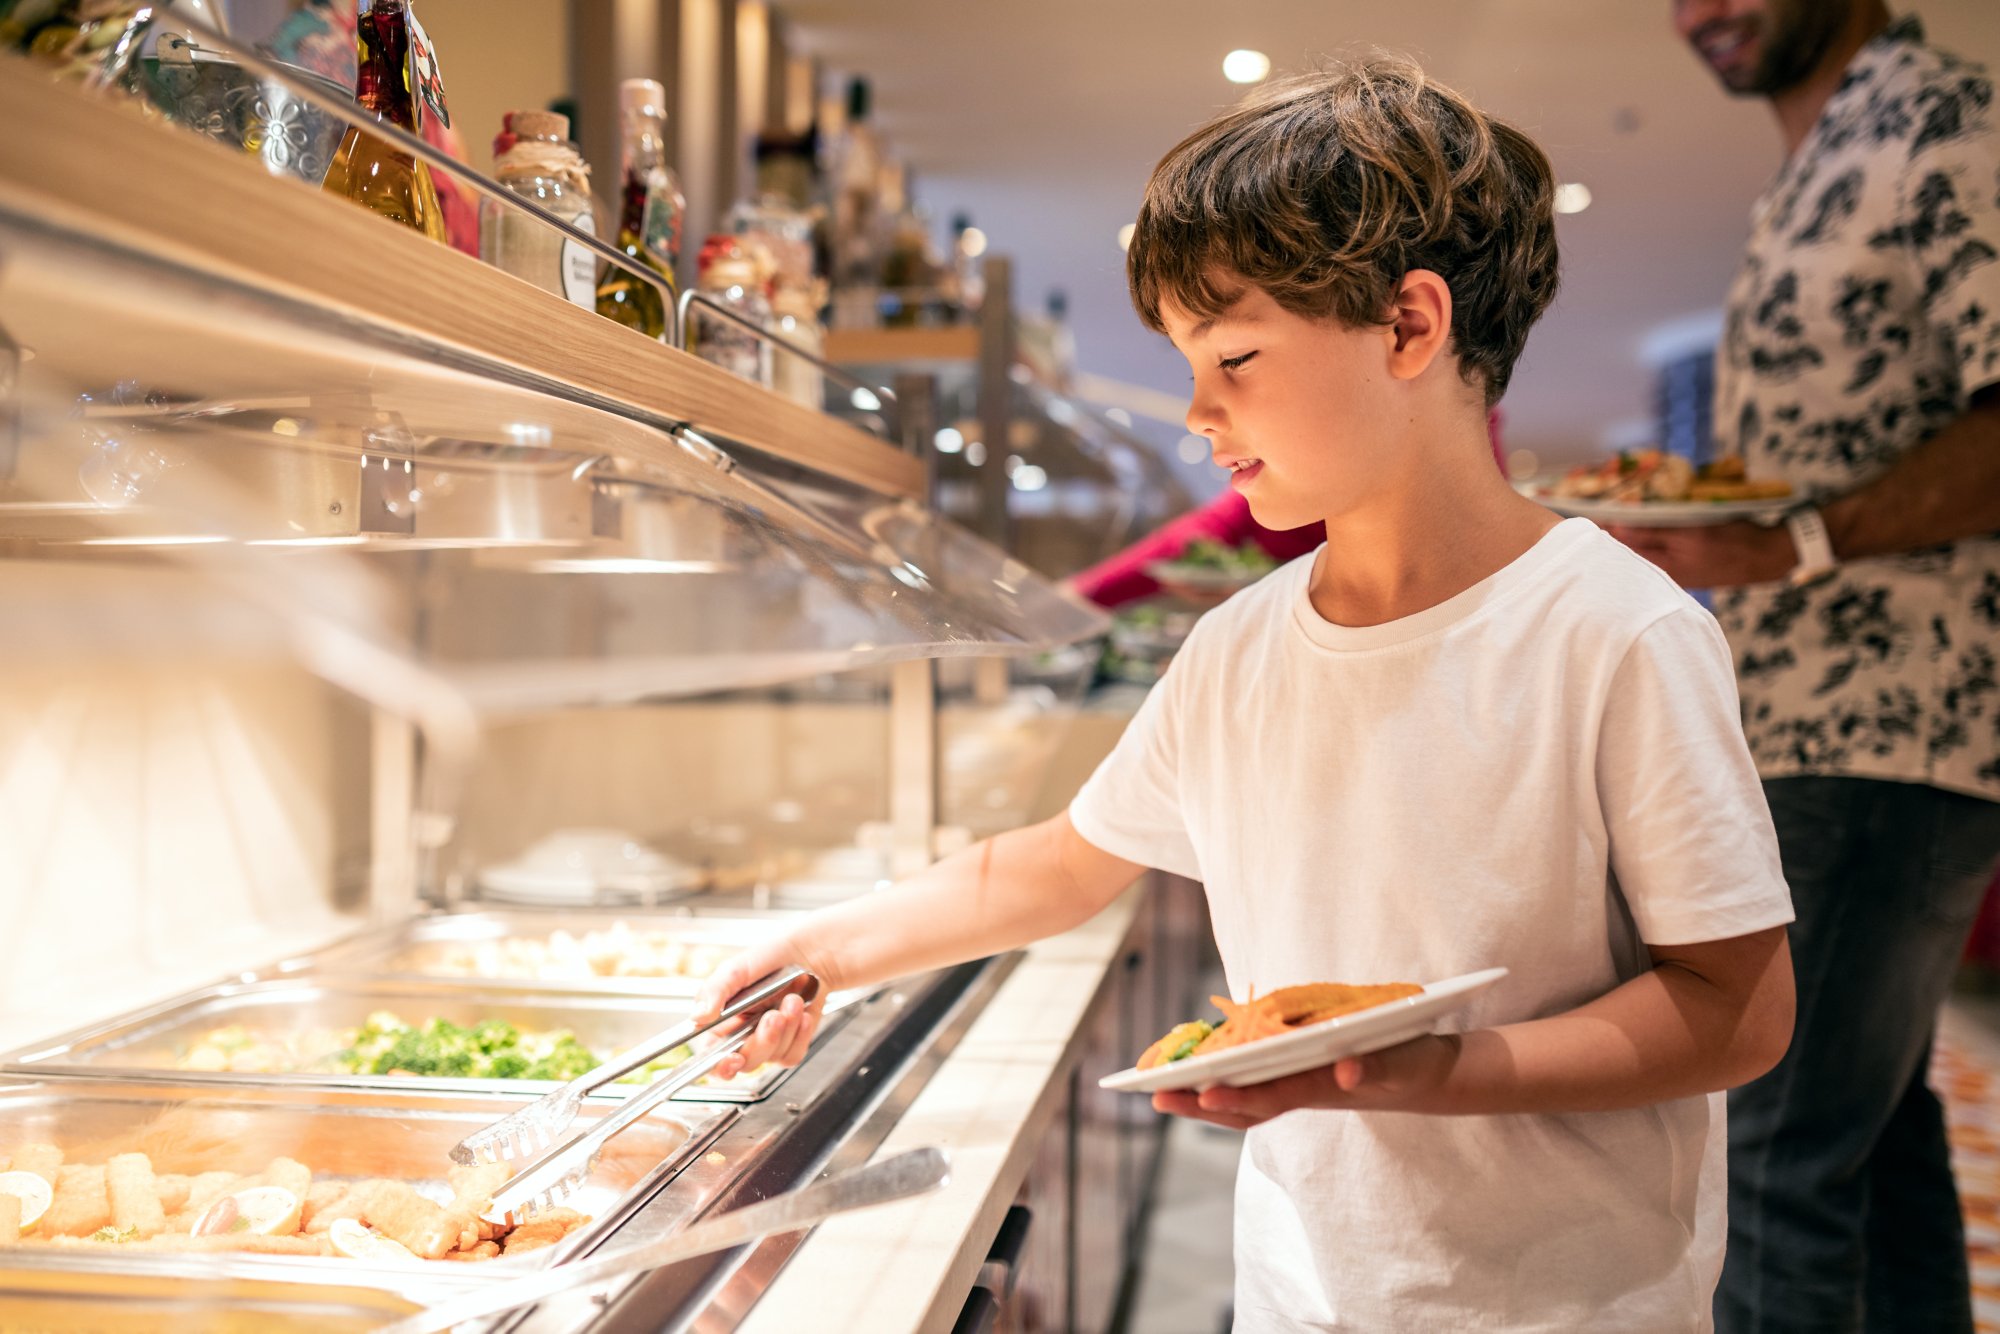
1445	989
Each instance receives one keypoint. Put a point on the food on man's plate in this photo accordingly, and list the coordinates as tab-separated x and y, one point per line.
282	1210
618	951
1281	1011
1634	477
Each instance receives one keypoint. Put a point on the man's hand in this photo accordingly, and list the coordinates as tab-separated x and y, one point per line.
1405	1078
1719	557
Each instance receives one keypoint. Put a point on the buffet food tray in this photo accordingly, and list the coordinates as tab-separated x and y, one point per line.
154	1041
188	1128
481	947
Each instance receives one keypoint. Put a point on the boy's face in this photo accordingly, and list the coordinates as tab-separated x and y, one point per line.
1295	408
1761	47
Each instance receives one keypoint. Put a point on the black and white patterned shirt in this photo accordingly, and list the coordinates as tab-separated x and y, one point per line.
1865	316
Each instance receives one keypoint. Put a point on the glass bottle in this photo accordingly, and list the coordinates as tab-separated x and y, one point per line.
369	170
728	273
652	210
532	157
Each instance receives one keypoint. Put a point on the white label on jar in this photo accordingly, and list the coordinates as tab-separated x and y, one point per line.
579	266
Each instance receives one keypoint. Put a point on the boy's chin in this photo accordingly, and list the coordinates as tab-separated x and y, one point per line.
1281	514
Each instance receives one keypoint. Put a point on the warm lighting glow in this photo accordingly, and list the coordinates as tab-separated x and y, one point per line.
626	565
1029	477
285	426
864	400
975	452
1125	235
1245	66
1572	198
950	440
972	243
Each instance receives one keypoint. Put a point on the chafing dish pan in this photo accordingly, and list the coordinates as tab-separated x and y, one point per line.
157	1039
475	946
187	1127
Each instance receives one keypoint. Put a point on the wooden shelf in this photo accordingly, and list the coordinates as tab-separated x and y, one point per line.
99	168
899	347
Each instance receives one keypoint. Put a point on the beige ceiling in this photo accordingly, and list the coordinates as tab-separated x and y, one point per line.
1042	117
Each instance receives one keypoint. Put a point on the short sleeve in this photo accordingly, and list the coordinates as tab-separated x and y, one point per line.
1131	806
1950	220
1692	846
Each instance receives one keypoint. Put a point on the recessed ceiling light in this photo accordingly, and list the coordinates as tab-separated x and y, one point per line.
1125	235
1572	198
1245	66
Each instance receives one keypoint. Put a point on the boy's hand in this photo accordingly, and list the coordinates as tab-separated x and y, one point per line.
1403	1078
783	1034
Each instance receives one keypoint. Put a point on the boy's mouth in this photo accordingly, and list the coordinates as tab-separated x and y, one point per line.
1242	470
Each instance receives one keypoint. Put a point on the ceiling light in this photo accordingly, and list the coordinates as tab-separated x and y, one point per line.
1245	66
950	440
1572	198
864	400
975	452
1029	477
972	243
1125	235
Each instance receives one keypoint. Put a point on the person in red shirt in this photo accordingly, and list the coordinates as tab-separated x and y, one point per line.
1122	578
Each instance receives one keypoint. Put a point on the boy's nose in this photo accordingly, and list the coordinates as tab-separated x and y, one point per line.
1202	417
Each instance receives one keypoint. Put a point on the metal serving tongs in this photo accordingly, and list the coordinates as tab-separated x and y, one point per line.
562	1163
896	1178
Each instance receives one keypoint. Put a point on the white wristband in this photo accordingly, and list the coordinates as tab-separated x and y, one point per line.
1810	540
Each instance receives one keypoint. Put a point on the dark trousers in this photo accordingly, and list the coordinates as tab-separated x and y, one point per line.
1842	1211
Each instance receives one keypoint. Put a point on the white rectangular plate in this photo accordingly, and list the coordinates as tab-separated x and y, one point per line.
1313	1046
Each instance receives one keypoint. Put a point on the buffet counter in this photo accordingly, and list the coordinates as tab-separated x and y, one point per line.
910	1266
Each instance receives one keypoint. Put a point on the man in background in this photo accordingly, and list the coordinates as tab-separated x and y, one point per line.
1860	362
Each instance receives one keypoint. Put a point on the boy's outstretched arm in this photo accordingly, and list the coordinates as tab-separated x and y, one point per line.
1013	889
1708	1016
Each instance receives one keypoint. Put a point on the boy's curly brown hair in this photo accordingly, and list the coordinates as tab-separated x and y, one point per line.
1324	189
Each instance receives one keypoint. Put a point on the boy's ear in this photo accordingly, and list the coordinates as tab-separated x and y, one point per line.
1420	328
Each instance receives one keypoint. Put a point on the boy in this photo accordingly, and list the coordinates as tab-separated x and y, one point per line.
1460	735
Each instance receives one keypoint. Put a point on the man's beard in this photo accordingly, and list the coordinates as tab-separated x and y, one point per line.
1795	36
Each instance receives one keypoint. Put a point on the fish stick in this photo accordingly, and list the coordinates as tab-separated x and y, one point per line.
174	1189
81	1205
472	1195
399	1212
10	1219
134	1195
485	1250
44	1160
351	1201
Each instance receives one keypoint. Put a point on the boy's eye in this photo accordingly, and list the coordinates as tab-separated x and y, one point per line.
1235	363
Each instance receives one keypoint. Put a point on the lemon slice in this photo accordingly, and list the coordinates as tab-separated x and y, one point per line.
267	1211
32	1191
356	1242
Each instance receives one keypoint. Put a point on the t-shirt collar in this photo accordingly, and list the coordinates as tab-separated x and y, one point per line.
1523	570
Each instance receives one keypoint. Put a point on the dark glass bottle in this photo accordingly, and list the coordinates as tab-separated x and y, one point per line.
367	169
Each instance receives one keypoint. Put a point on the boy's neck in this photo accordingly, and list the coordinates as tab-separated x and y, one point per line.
1422	543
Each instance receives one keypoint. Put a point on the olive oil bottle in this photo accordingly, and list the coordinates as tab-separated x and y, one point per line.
397	80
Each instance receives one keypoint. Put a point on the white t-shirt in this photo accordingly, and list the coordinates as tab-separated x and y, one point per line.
1543	773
